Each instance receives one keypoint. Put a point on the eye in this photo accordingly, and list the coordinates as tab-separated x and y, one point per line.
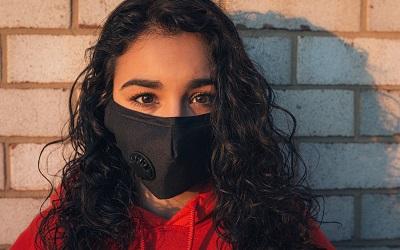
143	99
202	98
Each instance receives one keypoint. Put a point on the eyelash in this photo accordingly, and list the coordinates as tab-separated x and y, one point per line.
141	94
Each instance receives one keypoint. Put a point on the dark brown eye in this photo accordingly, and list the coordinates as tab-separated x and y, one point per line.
203	98
146	98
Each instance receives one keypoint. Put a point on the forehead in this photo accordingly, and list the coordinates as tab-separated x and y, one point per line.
166	58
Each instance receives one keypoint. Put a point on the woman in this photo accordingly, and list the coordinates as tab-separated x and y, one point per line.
174	144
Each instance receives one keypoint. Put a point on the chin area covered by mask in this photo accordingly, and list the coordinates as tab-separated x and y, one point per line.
168	154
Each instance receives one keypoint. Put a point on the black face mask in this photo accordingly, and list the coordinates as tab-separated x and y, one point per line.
168	154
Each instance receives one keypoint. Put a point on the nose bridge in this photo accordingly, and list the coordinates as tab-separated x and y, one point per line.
174	143
175	106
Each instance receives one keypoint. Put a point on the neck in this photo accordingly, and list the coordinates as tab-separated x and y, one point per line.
165	208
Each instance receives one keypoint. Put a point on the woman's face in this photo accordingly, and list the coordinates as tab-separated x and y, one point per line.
165	76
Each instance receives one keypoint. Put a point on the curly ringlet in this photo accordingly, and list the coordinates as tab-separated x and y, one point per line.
262	201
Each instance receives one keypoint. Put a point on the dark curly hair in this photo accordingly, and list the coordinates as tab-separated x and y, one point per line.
263	199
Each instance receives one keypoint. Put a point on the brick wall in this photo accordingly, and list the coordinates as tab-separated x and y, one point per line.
334	64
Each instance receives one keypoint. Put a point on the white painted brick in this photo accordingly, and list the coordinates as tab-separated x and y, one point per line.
338	209
46	58
384	15
333	60
33	112
24	171
273	54
2	166
94	12
380	216
317	112
15	215
352	165
380	112
343	15
35	14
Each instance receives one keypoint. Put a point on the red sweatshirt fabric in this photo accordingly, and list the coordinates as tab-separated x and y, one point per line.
189	228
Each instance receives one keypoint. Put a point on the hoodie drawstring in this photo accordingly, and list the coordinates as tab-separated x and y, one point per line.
191	228
142	239
142	243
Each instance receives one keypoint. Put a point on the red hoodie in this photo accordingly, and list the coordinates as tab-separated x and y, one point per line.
189	228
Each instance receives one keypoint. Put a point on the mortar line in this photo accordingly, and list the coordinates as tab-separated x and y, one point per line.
4	164
336	86
364	16
7	167
74	15
34	194
27	139
356	113
294	58
3	44
50	31
357	213
325	33
38	85
93	30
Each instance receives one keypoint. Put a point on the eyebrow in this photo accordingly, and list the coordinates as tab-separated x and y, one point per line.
195	83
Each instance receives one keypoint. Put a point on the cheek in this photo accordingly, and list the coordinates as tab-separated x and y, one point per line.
118	95
199	109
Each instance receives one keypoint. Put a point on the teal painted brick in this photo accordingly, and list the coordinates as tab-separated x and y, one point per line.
352	165
380	216
273	54
333	60
318	112
339	209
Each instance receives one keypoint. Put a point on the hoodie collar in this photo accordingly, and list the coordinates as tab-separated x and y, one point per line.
193	212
